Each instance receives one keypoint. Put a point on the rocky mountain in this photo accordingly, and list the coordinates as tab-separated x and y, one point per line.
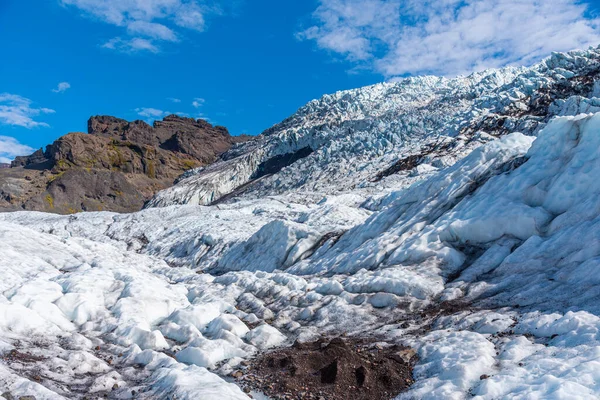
426	239
116	166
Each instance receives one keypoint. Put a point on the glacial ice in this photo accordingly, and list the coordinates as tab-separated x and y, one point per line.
504	228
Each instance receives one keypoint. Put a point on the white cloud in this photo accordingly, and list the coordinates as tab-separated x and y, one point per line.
203	117
133	45
17	110
191	16
152	30
174	100
147	20
10	148
449	37
62	87
198	102
151	113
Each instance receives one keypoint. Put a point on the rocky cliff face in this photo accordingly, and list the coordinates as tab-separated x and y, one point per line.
116	166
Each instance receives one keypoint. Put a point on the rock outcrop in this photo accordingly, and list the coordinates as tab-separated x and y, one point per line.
116	166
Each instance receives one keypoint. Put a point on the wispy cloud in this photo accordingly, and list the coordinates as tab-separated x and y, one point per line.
203	117
131	45
151	30
174	100
147	22
198	102
62	87
10	148
449	37
18	111
151	113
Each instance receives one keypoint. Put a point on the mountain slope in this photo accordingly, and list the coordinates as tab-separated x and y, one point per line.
117	166
487	268
350	141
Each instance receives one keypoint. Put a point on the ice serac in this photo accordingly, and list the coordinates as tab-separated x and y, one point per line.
367	140
476	244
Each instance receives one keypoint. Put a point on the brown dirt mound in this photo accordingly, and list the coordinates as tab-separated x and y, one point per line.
339	369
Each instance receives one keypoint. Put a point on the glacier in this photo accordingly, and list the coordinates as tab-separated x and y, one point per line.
460	217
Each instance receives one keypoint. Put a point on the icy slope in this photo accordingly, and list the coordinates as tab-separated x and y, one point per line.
347	141
529	241
76	316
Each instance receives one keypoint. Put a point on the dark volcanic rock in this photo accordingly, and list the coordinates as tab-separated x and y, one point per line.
117	166
196	138
36	158
94	190
138	132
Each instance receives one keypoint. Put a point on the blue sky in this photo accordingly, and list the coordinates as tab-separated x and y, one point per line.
247	64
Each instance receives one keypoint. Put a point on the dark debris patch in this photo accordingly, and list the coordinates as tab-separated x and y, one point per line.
348	369
15	356
277	163
414	160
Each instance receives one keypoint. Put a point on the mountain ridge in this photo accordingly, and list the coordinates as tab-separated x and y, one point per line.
118	165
